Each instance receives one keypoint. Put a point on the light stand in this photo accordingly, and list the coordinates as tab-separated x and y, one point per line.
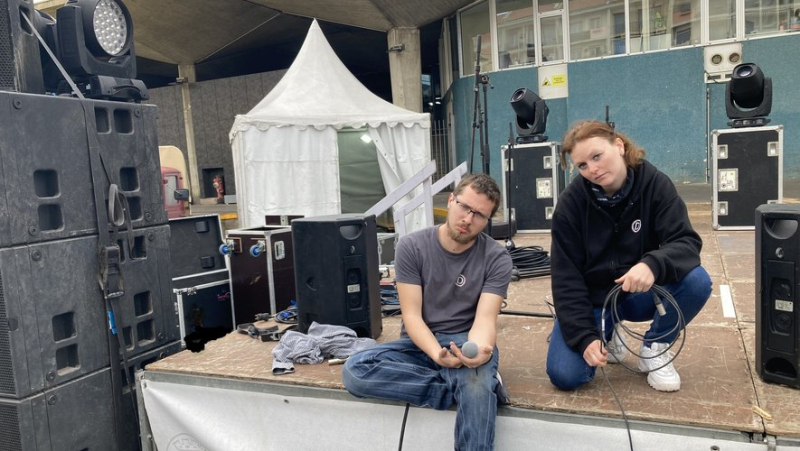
480	120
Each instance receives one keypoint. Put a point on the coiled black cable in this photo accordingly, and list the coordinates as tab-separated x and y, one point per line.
529	261
658	293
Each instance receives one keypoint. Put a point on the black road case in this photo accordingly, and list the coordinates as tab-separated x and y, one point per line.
205	306
262	279
200	276
532	182
747	172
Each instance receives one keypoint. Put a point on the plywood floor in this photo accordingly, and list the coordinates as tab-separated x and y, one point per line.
720	388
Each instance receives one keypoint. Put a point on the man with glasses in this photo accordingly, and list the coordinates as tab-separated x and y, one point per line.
451	281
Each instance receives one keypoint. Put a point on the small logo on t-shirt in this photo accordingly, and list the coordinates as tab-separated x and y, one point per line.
636	226
461	280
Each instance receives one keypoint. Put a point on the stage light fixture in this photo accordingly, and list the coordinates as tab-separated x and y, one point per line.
748	97
94	39
531	113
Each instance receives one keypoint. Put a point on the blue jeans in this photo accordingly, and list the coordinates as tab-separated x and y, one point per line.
566	367
400	371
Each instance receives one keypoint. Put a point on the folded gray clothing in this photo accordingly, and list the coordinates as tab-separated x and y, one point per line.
338	342
322	341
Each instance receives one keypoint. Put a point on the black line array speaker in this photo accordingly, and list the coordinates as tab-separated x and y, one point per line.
20	63
78	415
45	178
54	314
777	288
61	378
336	272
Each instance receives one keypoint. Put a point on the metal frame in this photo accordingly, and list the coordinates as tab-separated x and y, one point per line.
615	426
422	177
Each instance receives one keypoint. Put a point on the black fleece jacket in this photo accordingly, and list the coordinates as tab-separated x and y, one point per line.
590	249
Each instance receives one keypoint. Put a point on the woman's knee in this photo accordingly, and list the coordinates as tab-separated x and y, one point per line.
699	281
563	379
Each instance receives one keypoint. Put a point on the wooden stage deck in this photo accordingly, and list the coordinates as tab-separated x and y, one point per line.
720	388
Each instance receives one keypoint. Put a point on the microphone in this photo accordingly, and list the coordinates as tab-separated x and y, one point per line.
470	350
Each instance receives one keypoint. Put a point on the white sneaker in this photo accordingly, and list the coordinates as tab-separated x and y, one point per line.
664	379
617	351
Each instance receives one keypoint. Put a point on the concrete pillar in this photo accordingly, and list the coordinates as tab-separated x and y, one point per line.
405	68
187	75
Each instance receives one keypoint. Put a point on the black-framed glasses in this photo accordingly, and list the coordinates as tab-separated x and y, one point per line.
466	209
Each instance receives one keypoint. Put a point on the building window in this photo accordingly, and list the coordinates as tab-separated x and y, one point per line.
515	33
475	22
596	29
552	38
721	19
661	24
685	26
766	17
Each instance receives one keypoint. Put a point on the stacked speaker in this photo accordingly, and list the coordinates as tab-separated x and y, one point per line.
777	287
62	376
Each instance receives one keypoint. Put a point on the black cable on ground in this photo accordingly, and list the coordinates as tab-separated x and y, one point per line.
622	409
529	261
521	313
403	428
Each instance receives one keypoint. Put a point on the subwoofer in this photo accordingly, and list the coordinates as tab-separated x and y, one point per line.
336	272
777	279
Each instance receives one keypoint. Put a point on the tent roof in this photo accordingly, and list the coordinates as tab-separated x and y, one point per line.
319	91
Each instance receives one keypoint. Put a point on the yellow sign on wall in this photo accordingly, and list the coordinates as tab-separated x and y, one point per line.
553	81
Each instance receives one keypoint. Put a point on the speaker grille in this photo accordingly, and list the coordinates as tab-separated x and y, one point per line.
6	371
10	435
6	53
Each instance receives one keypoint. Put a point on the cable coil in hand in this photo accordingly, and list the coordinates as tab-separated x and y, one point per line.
659	293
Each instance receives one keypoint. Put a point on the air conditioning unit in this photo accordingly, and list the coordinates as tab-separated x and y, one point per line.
719	61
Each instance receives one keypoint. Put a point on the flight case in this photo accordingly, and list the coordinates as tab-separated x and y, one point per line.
747	172
532	182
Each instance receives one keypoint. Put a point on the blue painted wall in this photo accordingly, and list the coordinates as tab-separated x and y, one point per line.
658	99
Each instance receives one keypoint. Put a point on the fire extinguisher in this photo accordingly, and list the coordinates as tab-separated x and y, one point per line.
219	185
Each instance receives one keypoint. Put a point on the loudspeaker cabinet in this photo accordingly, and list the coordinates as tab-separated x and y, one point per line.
777	279
336	272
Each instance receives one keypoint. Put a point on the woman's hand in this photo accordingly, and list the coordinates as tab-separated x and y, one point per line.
595	354
638	279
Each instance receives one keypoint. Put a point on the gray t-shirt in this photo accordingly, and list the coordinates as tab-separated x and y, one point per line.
451	283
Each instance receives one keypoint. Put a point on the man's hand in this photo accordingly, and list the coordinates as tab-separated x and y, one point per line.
484	355
595	354
638	279
447	359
